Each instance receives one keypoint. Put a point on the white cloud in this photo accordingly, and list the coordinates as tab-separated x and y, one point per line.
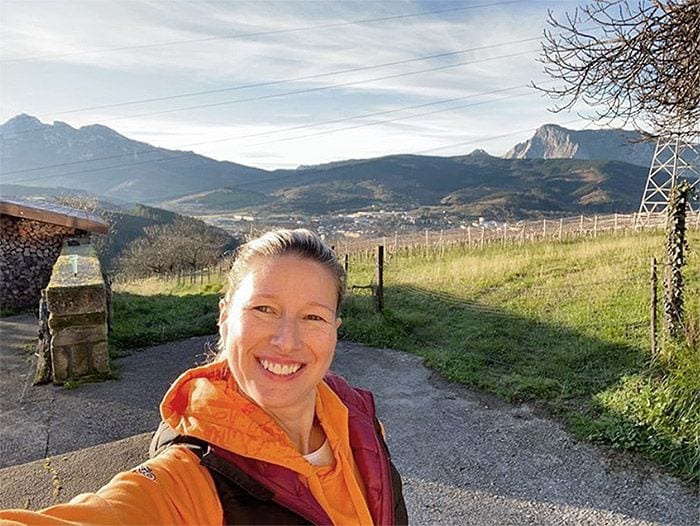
77	78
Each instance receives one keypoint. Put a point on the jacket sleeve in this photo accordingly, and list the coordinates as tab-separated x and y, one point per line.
171	489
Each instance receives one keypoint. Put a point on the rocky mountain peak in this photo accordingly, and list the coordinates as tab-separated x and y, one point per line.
552	141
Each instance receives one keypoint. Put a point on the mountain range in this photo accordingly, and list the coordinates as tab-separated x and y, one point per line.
99	160
597	171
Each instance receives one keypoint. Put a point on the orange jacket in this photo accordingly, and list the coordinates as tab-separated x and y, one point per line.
174	488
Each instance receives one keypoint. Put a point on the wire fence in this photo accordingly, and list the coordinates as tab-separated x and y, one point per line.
481	234
472	236
212	274
599	294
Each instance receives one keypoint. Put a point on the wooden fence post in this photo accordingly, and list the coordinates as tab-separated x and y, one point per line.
653	307
544	229
379	290
505	232
561	228
595	226
483	230
469	235
346	262
580	227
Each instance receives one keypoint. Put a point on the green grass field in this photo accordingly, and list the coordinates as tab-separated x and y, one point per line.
150	311
564	326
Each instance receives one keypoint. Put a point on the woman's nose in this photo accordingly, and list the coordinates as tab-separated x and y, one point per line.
286	336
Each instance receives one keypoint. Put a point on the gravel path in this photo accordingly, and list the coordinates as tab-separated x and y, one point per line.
469	458
466	457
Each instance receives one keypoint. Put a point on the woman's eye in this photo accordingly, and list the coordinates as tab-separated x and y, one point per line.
263	308
315	317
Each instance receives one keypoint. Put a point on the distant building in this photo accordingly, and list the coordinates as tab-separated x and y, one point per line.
31	236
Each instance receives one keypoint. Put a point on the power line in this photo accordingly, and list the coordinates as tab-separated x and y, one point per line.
296	92
277	178
258	134
292	128
293	79
290	93
315	89
256	34
387	121
304	173
181	154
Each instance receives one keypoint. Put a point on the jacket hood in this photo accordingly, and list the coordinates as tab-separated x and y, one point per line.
206	403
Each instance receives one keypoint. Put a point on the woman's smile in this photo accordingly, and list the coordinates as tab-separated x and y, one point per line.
284	370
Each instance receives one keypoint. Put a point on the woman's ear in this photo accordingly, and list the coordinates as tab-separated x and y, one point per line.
338	322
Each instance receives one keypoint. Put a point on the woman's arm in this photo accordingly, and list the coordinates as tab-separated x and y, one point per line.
170	489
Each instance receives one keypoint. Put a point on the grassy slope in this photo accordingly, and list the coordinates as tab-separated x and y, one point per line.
150	312
564	325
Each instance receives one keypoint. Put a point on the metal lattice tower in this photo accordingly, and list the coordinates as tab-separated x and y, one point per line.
674	159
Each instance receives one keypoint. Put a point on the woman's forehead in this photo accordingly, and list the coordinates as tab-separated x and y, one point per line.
263	264
271	275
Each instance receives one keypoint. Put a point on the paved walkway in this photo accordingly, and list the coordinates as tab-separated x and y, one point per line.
466	458
45	420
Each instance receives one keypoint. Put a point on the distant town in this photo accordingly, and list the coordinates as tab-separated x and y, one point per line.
361	224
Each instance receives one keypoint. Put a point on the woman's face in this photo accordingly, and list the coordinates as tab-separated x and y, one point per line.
280	330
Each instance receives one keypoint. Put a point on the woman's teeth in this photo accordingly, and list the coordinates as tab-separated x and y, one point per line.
280	369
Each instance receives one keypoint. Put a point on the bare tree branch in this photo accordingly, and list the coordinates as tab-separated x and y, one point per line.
640	64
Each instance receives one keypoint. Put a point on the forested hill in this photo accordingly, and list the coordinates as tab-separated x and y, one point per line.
476	184
100	161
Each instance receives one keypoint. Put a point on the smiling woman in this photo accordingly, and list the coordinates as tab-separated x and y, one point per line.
265	434
278	326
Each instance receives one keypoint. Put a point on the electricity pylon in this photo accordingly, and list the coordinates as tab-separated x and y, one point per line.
675	158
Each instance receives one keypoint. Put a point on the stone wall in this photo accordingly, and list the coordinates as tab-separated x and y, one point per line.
76	299
28	251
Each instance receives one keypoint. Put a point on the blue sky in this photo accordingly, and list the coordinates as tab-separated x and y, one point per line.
61	58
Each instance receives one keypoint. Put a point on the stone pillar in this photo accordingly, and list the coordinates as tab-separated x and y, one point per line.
77	304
